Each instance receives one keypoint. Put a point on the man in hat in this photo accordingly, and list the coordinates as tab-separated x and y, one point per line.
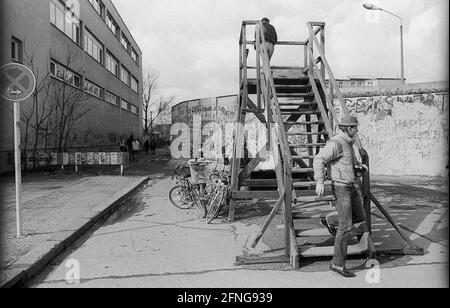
339	155
270	36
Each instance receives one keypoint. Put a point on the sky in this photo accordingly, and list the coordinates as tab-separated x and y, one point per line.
193	44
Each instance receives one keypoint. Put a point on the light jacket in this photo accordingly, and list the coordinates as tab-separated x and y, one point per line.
340	156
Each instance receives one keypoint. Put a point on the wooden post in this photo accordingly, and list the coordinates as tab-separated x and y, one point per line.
240	121
258	67
322	45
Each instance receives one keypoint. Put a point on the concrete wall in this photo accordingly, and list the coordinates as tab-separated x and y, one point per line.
404	134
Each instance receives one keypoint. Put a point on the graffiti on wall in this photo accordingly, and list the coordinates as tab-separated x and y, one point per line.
405	134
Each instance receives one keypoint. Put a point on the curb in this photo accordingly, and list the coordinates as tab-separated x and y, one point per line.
33	262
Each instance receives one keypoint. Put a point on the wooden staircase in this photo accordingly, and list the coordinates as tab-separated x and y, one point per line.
298	114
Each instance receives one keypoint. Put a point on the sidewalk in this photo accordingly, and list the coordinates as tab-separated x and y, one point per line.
57	203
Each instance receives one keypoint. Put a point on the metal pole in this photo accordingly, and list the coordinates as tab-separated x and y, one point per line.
18	167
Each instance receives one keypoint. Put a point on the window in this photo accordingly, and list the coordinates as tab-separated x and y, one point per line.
370	83
124	105
112	99
16	50
93	89
93	47
134	84
64	74
112	25
340	84
125	76
360	84
65	20
353	84
134	109
99	7
125	42
112	64
134	55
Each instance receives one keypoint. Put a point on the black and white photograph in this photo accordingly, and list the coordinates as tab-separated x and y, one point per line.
224	150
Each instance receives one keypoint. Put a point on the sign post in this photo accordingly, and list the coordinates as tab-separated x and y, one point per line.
17	83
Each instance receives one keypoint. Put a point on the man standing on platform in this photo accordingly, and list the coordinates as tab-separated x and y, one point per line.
270	36
339	155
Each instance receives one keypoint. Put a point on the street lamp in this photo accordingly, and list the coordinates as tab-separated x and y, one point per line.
369	6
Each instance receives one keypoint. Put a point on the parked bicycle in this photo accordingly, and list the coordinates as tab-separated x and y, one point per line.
185	195
219	197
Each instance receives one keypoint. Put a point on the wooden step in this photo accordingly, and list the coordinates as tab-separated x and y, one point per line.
301	104
301	157
302	170
296	95
290	80
300	112
307	145
315	199
303	123
307	134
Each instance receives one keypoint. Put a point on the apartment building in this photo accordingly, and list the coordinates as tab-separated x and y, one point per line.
85	46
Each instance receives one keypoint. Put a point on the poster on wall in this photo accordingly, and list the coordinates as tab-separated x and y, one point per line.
90	158
107	158
65	159
114	158
83	158
102	158
53	159
78	158
71	158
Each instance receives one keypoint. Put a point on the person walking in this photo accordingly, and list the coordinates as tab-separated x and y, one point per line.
146	146
130	147
270	36
136	148
153	148
339	155
122	144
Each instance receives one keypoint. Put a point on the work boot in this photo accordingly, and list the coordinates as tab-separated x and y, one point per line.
331	229
342	271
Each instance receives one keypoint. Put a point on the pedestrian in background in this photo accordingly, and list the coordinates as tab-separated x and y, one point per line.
122	144
130	147
146	146
136	145
153	148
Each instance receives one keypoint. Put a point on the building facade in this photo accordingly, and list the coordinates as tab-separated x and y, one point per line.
89	75
367	83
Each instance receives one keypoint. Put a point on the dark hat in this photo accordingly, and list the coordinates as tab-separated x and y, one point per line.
349	121
265	19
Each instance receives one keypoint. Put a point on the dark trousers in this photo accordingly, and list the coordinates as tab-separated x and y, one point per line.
350	210
131	153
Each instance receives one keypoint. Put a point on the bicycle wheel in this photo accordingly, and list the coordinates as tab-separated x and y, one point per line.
199	204
216	205
180	198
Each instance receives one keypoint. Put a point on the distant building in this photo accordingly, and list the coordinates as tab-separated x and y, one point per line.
367	83
105	64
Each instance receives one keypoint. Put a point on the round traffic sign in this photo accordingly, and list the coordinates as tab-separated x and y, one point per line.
17	82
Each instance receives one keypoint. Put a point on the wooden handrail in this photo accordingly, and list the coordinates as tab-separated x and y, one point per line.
333	81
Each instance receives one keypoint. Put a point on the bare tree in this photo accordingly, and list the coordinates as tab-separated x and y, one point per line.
153	104
69	104
41	109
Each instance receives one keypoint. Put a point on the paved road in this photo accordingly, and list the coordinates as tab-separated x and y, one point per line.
156	245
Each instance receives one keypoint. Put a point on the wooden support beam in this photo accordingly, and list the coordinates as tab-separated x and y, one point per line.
268	221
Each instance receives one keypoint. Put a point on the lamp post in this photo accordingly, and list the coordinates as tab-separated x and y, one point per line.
375	8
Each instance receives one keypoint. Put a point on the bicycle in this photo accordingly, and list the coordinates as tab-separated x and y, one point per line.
186	195
219	197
